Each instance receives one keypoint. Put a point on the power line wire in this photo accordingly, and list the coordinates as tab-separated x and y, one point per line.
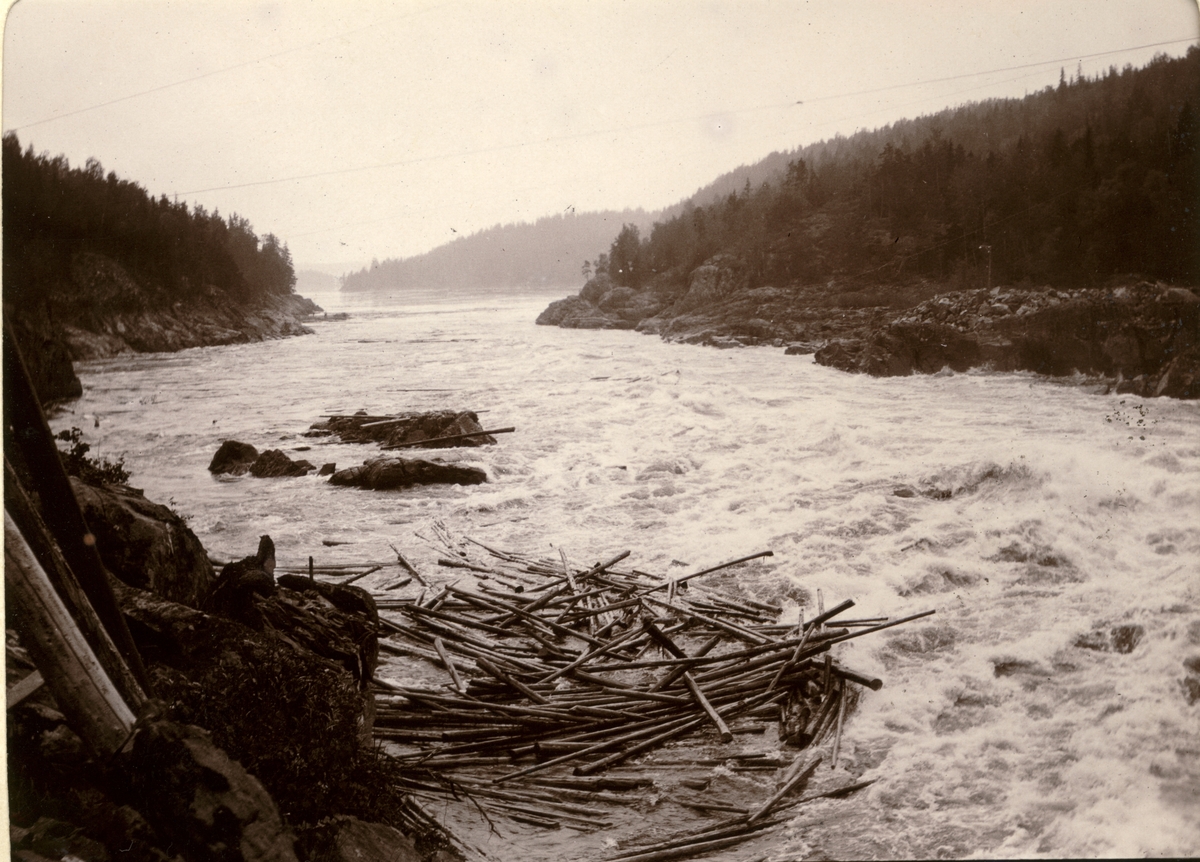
1006	69
210	74
641	126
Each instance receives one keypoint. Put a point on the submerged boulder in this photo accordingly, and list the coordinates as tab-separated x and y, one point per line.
385	474
1121	639
274	463
233	457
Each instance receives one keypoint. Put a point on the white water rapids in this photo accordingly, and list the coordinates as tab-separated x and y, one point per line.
994	734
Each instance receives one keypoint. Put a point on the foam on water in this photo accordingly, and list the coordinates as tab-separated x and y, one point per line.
1036	513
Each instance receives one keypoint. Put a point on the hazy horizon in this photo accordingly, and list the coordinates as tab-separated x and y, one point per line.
382	130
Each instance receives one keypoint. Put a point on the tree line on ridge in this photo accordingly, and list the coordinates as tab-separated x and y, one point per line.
1072	185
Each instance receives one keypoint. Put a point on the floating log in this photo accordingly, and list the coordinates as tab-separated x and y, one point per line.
669	645
463	564
796	781
566	684
361	575
409	566
837	739
725	835
448	438
441	651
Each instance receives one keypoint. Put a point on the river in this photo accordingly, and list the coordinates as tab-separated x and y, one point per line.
1069	512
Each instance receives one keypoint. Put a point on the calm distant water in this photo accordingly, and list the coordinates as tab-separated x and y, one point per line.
993	735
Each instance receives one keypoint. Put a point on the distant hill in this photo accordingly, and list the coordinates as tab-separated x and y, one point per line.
548	253
1073	184
1070	185
1047	233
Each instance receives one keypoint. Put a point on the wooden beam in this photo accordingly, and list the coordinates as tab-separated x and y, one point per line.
85	694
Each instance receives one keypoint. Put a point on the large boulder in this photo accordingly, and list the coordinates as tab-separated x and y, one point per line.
616	299
204	802
145	544
925	348
841	354
288	701
1180	377
596	287
169	794
386	474
233	457
274	463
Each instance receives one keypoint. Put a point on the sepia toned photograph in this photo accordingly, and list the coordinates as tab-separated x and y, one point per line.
547	430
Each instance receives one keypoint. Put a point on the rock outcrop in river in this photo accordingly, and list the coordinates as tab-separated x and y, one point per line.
388	474
1145	337
435	429
234	458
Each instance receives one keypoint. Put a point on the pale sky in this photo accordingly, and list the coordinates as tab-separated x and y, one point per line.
362	129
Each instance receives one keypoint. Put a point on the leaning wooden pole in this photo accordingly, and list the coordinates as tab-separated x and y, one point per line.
24	516
85	694
29	444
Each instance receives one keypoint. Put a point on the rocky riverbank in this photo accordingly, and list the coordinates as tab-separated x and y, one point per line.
103	312
1143	337
258	744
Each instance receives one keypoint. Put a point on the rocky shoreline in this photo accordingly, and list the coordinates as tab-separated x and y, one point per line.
198	325
1143	337
104	312
257	743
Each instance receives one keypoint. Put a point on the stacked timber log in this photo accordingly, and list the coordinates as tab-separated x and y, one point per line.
437	430
433	430
540	679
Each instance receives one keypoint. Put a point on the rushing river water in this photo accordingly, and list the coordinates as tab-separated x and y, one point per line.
995	733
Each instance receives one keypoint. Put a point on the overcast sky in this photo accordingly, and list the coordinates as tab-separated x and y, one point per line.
356	129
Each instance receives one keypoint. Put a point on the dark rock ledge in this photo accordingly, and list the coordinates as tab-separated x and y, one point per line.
52	338
1143	337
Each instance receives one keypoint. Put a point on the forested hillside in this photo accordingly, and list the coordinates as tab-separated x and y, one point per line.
1054	233
1071	185
94	265
53	213
548	253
